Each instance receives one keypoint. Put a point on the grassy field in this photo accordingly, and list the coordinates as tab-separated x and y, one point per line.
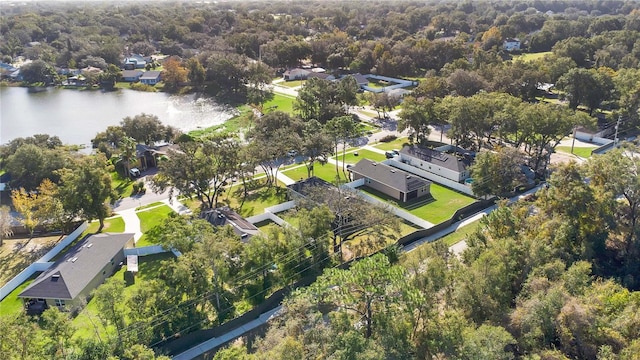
326	172
395	144
445	202
583	152
114	224
257	200
352	158
368	128
279	102
292	84
233	125
150	218
531	56
123	186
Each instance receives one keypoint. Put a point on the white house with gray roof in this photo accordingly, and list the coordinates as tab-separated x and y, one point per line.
82	269
452	165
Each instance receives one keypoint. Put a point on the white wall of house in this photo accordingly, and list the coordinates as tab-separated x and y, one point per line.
430	176
435	169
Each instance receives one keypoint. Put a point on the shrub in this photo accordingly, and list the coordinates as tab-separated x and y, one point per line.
143	87
388	138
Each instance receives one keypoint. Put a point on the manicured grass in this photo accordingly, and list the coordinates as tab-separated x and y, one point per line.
372	114
143	207
149	219
266	226
531	56
366	127
122	186
279	102
583	152
326	172
114	224
291	84
12	304
352	158
257	200
395	144
444	204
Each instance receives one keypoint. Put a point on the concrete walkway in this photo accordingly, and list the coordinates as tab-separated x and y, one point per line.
131	223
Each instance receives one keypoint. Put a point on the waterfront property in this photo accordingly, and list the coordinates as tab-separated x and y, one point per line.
396	183
150	77
72	278
131	75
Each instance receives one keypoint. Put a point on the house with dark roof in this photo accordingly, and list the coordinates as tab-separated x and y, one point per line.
391	181
131	75
150	77
361	80
225	216
453	165
82	269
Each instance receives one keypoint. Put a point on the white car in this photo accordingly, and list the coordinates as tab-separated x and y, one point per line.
134	172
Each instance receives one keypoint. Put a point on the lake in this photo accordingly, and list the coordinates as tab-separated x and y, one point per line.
77	116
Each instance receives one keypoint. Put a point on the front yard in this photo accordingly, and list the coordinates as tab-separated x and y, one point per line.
149	218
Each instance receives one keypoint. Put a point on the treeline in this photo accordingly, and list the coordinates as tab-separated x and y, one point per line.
552	277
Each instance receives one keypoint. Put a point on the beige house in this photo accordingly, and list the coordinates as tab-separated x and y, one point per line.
82	269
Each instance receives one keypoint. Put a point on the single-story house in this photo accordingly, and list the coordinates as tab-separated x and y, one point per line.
225	216
361	80
131	75
303	187
320	75
82	269
150	77
147	155
511	44
396	183
296	74
453	165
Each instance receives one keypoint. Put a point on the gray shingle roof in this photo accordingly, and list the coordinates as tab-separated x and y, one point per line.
150	75
225	216
72	273
445	160
389	176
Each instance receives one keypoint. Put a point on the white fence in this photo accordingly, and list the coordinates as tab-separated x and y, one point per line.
267	216
42	264
431	176
281	207
145	250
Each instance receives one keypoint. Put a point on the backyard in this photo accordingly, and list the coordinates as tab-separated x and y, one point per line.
279	102
17	253
326	172
583	152
444	204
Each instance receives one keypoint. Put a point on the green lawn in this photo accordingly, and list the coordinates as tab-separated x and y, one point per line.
367	127
279	102
583	152
12	304
233	125
87	322
372	114
114	224
395	144
531	56
352	158
257	200
150	218
144	207
326	172
122	186
291	84
445	202
266	226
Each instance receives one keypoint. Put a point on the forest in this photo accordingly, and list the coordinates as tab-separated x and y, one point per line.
553	277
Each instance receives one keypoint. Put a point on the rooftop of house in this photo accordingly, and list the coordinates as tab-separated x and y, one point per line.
150	75
303	187
389	176
131	73
71	274
456	161
512	40
225	216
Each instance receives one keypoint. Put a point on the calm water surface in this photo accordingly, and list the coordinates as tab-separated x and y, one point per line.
76	116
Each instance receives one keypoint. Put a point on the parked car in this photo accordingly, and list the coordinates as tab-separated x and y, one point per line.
389	154
134	172
292	153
